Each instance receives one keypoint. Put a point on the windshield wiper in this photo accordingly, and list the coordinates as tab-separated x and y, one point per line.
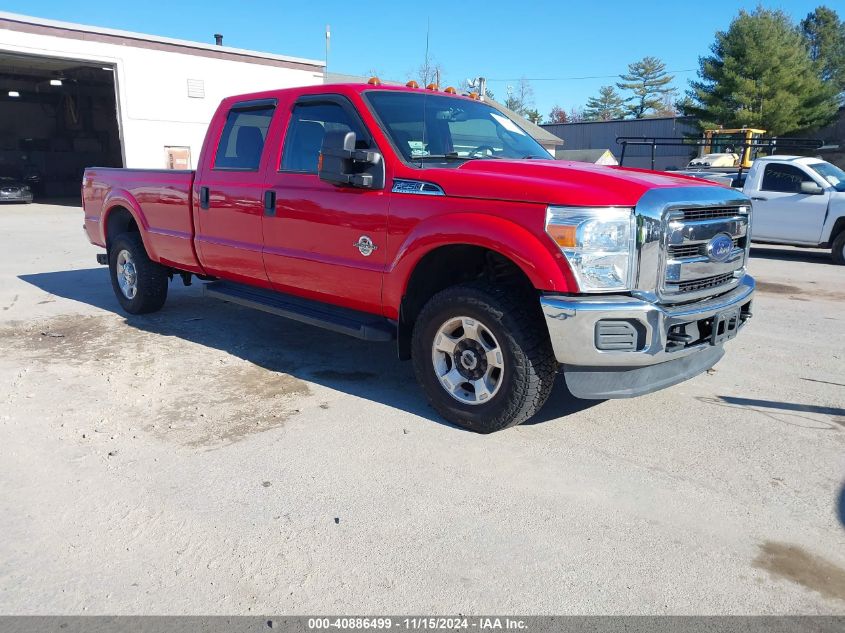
445	157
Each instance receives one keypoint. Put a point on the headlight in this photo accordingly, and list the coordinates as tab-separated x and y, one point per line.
598	244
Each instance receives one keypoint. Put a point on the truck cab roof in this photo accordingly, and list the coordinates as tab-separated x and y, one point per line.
806	160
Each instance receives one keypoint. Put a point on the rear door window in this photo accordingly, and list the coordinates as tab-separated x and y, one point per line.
242	141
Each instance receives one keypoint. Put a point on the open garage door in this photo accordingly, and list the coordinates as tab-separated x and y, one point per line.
57	117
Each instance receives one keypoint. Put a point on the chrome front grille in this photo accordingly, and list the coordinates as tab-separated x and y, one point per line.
705	283
707	214
692	250
689	267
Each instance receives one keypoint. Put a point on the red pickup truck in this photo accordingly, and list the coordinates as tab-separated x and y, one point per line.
431	219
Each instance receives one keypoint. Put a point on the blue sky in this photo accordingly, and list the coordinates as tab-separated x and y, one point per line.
552	43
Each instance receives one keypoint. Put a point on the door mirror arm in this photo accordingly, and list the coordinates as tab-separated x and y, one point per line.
340	163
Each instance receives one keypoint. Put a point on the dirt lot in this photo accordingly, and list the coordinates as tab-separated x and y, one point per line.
210	459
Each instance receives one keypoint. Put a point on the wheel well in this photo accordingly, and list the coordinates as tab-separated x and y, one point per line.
449	266
838	227
119	220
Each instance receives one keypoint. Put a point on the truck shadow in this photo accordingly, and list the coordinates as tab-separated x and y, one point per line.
359	368
814	256
840	507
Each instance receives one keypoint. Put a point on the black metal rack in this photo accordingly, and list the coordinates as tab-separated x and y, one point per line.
771	143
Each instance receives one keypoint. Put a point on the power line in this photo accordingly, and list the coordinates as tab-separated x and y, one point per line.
676	72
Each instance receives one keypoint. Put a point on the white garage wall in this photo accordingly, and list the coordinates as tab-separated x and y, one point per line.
154	107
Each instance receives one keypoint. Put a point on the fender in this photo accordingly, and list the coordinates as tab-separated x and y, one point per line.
122	198
834	218
545	267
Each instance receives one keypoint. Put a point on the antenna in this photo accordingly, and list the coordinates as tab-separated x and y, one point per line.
425	94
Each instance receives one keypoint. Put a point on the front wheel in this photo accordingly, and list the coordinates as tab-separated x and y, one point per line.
483	356
139	283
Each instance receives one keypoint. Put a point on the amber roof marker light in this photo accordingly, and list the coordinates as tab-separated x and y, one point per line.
432	87
451	91
412	84
374	81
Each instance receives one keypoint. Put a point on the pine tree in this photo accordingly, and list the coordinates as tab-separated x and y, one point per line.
608	105
824	34
648	80
760	75
534	116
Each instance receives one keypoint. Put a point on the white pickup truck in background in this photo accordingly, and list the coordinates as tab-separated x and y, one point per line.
798	201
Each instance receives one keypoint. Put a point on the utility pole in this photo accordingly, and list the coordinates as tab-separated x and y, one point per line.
328	42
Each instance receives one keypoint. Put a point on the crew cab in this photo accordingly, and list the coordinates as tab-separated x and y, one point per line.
798	201
431	220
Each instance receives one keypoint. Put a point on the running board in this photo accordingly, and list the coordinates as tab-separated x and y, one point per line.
363	325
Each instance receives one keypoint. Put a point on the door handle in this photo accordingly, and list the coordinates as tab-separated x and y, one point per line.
270	202
205	196
760	199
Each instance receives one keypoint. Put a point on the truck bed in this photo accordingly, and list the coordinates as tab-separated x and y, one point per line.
159	201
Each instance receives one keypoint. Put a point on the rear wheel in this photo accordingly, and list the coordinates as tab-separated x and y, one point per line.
838	251
483	357
139	283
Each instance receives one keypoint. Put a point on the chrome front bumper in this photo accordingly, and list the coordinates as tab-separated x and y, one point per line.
572	323
20	196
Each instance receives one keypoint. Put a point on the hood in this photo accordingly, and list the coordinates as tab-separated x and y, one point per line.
554	182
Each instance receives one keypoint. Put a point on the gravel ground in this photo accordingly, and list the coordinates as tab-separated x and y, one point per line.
210	459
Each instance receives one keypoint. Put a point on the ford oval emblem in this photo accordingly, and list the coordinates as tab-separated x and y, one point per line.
719	249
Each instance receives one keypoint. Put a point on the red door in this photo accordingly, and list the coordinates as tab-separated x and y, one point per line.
230	193
324	242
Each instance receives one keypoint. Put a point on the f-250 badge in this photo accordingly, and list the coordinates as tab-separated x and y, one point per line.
365	245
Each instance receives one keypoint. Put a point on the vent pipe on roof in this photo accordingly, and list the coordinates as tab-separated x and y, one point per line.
218	39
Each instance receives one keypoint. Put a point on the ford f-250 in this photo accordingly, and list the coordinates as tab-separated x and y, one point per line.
430	219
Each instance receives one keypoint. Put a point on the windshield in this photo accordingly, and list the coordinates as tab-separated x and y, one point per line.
831	173
451	130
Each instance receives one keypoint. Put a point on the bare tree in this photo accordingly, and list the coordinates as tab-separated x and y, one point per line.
520	97
472	85
667	107
429	72
576	115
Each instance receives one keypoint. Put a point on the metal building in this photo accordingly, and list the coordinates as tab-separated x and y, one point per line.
73	96
603	134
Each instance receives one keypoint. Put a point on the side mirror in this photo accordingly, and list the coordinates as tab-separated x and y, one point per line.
811	188
341	164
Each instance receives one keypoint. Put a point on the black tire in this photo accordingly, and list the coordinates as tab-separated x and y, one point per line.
151	278
838	251
518	327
